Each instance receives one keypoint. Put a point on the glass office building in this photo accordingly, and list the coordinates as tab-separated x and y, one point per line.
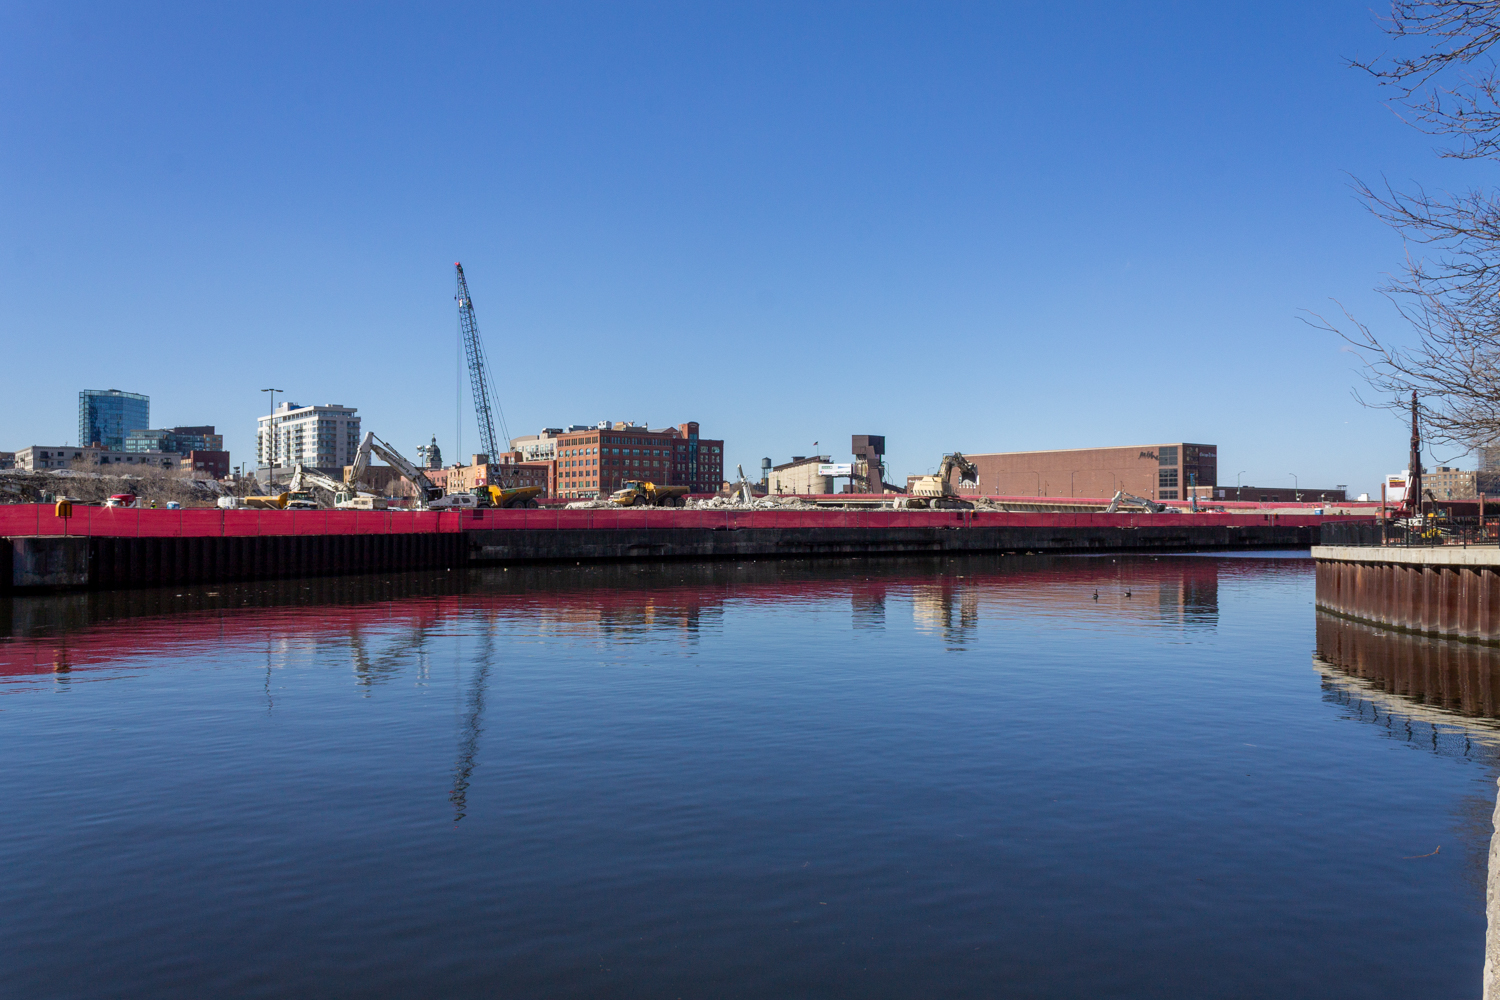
106	416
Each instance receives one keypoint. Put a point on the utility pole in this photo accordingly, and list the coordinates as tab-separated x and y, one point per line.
271	431
1414	473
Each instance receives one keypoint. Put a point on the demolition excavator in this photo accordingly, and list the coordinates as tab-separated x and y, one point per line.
937	492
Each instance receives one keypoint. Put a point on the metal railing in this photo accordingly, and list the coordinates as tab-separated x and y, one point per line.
1410	532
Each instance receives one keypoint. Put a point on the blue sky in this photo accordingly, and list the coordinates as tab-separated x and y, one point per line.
978	227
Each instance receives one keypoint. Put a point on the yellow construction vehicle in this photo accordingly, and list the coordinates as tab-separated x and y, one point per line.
277	502
516	496
936	492
641	494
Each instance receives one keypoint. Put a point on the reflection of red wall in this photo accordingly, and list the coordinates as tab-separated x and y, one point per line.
1459	676
1067	583
39	519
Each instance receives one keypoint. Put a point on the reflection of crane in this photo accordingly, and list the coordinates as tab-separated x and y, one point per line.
468	741
479	377
937	491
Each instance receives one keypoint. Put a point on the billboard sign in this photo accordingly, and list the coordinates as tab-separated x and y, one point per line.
826	469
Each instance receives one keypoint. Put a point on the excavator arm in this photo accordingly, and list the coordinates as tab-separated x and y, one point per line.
395	459
968	472
1120	495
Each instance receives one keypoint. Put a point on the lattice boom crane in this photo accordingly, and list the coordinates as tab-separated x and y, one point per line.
486	404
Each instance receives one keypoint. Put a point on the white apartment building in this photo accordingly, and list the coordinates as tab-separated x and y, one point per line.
318	437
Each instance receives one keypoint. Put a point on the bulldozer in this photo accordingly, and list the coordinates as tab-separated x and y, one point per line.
642	494
936	492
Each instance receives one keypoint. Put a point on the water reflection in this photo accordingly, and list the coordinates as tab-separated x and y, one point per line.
1412	673
949	776
384	623
1436	695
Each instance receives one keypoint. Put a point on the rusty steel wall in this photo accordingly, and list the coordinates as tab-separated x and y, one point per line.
1450	600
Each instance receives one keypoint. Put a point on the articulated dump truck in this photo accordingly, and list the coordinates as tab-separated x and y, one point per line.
640	494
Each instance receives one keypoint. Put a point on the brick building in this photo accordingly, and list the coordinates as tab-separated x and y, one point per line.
1153	471
594	461
505	471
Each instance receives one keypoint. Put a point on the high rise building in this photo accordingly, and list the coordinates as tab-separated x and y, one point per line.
318	437
106	416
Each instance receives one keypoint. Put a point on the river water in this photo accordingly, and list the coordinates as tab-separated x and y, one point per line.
928	778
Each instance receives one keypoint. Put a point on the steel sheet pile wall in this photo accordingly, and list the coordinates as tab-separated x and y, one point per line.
143	548
1438	591
501	536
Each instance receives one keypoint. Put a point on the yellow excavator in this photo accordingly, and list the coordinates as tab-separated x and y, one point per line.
936	492
642	494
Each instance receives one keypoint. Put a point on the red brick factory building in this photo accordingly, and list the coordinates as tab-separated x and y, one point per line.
1153	471
593	461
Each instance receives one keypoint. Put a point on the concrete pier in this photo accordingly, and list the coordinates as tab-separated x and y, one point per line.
1438	590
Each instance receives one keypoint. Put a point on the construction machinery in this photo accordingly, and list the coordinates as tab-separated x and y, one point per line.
348	495
515	496
634	493
742	489
1152	507
372	444
486	403
937	492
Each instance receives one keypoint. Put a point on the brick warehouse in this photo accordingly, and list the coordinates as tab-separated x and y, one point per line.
1153	471
594	461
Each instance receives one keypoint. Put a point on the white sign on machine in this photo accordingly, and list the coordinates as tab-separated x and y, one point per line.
827	469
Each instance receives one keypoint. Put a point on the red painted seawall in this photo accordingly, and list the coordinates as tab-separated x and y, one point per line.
117	522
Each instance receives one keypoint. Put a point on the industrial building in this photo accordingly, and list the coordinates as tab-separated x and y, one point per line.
1276	494
504	471
319	437
800	475
106	416
50	457
593	460
1153	471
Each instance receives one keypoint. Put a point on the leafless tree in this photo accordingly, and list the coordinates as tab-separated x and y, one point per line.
1449	286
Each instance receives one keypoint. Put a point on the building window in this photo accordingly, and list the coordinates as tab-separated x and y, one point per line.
1167	495
1167	479
1167	456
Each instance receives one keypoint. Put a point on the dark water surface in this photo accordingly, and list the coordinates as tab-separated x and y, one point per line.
959	778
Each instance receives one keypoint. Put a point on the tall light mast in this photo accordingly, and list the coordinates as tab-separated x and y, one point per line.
486	404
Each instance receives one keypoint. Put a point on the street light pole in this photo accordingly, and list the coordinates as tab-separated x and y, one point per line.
1296	487
271	431
1237	476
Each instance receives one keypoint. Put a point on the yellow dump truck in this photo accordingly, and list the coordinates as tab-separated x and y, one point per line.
516	496
641	494
278	502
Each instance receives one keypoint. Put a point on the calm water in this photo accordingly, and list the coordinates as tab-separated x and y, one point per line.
962	778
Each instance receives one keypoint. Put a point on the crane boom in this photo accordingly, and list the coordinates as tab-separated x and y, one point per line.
479	377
